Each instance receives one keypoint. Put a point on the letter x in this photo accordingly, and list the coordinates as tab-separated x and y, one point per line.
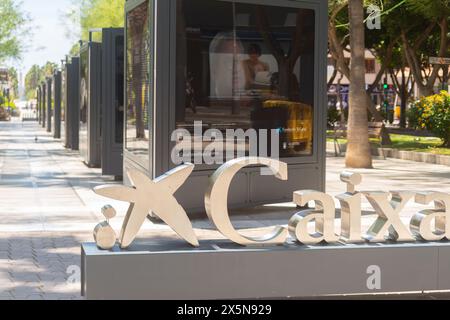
155	196
388	220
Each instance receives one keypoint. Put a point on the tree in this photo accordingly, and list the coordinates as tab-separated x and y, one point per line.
286	61
90	14
48	69
14	84
36	75
358	147
426	36
380	42
33	79
12	26
403	87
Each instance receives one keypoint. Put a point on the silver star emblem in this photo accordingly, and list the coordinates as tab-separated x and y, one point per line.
155	196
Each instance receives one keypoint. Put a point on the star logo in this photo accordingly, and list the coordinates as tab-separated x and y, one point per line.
155	196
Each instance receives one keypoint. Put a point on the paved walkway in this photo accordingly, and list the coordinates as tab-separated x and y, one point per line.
47	208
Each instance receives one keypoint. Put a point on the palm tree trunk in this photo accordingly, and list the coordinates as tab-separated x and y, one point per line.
358	149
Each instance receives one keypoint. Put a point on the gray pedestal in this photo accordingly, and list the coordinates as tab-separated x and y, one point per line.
220	270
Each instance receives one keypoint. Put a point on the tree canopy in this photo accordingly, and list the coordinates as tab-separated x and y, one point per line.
36	75
90	14
13	23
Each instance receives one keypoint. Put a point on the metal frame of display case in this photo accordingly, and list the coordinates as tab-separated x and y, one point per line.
43	103
249	188
101	148
63	103
56	104
71	97
49	105
112	92
38	103
90	131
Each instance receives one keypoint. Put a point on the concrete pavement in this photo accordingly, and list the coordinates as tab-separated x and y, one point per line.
47	208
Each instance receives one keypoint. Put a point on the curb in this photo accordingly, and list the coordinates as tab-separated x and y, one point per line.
398	154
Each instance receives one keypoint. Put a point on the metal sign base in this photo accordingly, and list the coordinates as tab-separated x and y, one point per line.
222	270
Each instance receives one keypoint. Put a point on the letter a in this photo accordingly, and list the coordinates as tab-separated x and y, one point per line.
324	215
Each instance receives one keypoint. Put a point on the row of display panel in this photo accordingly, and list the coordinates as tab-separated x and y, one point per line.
196	67
83	103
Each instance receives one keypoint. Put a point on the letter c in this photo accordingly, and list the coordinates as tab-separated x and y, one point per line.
216	200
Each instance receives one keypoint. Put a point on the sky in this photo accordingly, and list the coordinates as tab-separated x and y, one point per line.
49	41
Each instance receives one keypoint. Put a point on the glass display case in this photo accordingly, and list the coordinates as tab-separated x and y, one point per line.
102	101
49	104
112	114
43	104
56	104
246	66
38	104
90	103
139	100
63	102
70	99
206	68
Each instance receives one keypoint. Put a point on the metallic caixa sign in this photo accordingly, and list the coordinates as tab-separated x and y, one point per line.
306	258
157	196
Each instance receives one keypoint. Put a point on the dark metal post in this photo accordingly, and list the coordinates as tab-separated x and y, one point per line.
44	103
57	105
49	105
38	104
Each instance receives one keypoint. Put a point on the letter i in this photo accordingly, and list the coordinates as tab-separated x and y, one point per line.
351	208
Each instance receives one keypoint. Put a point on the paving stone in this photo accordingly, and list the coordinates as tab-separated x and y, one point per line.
35	296
26	278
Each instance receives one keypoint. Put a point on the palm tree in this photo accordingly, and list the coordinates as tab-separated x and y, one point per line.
358	148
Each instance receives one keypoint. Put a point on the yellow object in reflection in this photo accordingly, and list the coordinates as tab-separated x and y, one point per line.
398	112
299	123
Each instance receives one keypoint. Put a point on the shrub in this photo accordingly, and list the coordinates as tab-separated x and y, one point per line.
433	113
413	116
12	105
334	116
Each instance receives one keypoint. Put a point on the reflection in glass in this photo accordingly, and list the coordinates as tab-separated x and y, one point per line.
119	89
84	85
138	81
243	66
63	97
53	96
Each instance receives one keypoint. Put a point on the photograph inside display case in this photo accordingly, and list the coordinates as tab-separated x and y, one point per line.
50	105
52	99
63	103
138	81
119	84
243	66
238	66
70	108
53	111
84	87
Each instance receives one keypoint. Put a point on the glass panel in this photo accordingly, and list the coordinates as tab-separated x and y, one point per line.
53	97
44	102
119	89
84	90
53	91
138	81
50	102
246	66
63	95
